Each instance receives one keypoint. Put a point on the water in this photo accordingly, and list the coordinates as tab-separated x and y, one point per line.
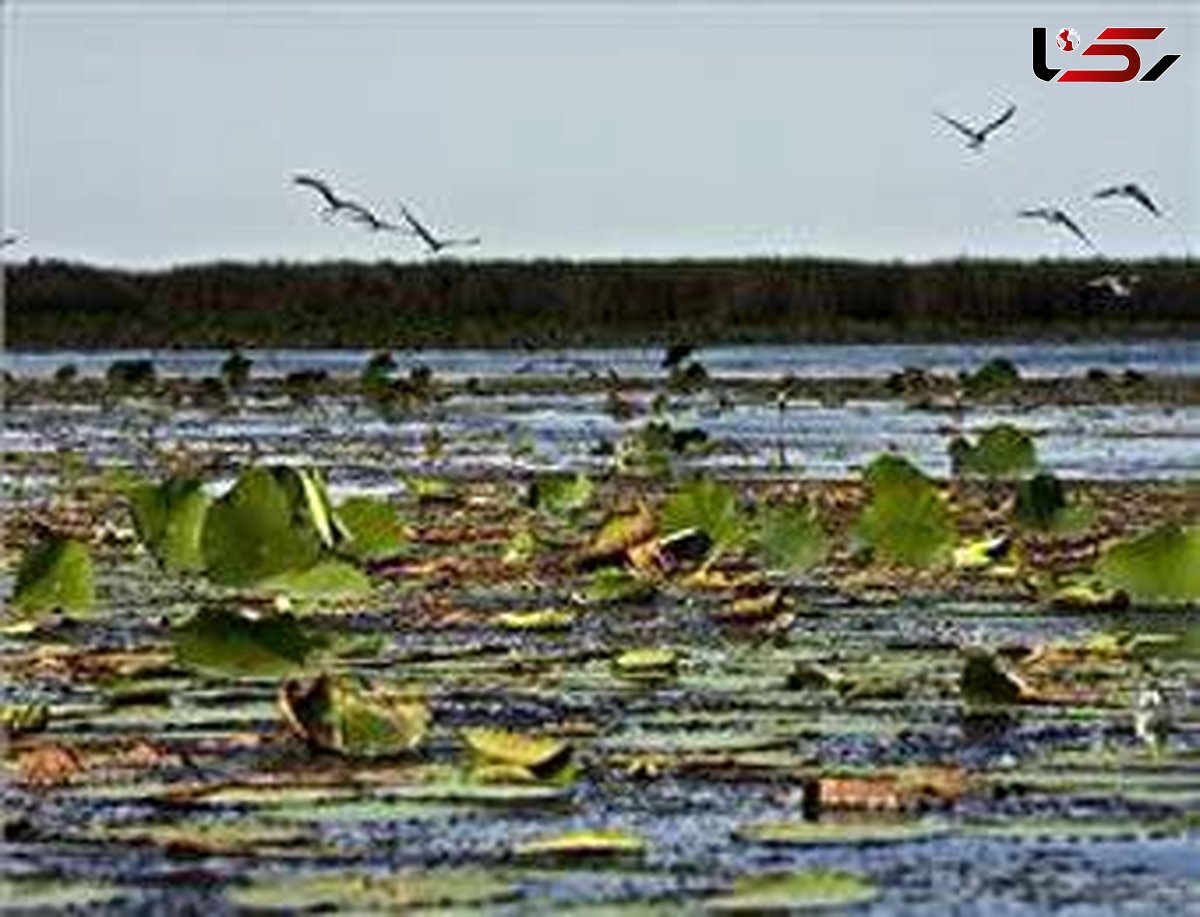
1034	358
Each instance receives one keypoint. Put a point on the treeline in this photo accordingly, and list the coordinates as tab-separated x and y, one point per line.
557	303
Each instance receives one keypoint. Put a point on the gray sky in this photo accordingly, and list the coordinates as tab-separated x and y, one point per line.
146	135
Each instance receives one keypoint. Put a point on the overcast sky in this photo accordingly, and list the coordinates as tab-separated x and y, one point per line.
148	135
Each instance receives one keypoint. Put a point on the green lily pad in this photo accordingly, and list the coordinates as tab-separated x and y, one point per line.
791	537
54	894
1041	505
788	892
260	529
1002	451
1161	566
374	528
586	844
561	494
706	506
649	662
170	518
327	579
223	641
539	620
540	755
352	718
373	893
826	833
616	584
906	519
56	575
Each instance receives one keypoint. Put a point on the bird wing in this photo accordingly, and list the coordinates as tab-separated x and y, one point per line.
1139	195
320	187
1008	113
1062	218
959	126
425	235
1114	191
1041	213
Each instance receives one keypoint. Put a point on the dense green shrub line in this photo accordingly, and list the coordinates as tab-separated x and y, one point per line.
548	303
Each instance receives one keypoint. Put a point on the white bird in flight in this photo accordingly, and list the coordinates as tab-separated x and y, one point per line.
1132	191
1115	285
976	137
1055	216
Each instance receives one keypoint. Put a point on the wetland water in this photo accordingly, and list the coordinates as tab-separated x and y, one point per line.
189	795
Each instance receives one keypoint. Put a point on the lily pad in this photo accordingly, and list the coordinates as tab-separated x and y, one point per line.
840	832
540	755
170	518
906	519
539	620
791	538
709	507
352	718
1161	566
260	529
57	894
788	892
223	641
373	893
585	844
56	575
374	529
650	662
561	494
1002	451
327	579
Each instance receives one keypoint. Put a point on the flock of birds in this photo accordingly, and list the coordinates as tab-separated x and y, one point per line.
1114	284
334	204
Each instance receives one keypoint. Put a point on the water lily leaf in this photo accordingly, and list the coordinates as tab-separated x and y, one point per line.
169	518
996	376
890	830
210	838
1002	451
373	527
791	537
56	575
605	842
906	519
709	507
540	755
222	641
1160	566
789	892
372	893
617	535
326	579
54	894
616	584
561	494
652	662
352	718
544	619
258	529
1084	597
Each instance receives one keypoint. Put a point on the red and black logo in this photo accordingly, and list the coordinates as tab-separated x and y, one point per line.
1110	42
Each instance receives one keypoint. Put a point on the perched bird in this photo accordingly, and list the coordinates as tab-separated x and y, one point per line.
434	243
977	137
1055	216
1132	191
1115	285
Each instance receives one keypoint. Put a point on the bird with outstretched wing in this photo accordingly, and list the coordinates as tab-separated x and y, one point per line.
1056	216
1134	192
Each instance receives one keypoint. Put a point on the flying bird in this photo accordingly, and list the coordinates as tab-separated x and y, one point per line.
977	137
334	203
1132	191
9	240
357	213
434	243
1055	216
1115	285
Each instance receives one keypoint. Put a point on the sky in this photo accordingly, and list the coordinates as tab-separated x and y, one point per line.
150	135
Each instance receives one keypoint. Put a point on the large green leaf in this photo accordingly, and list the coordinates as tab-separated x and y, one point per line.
326	579
791	537
1160	566
170	519
561	494
223	641
706	506
789	893
56	575
1002	451
906	519
353	718
374	529
261	528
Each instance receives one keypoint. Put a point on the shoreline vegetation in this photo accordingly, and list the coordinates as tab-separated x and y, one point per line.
556	303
